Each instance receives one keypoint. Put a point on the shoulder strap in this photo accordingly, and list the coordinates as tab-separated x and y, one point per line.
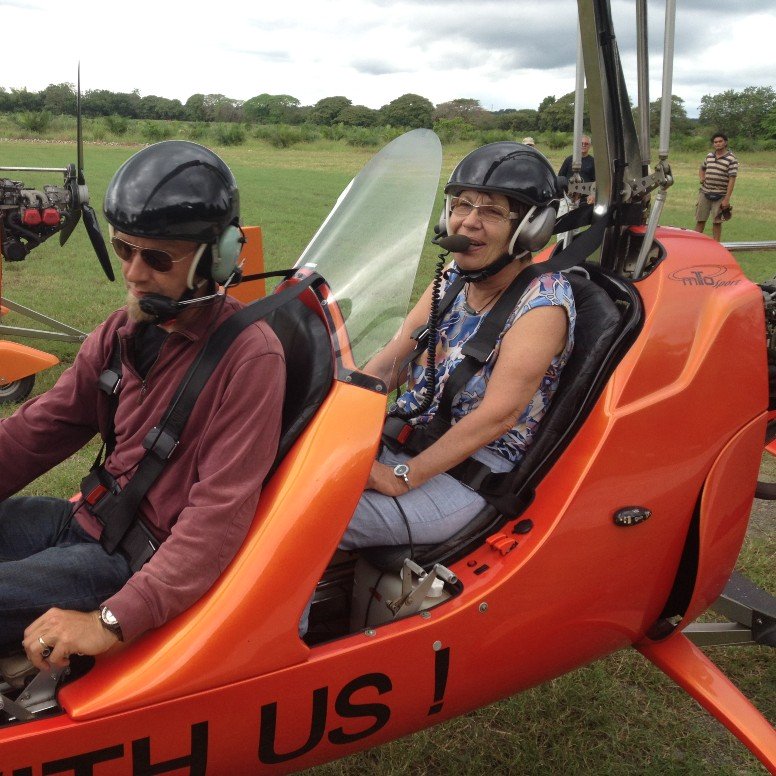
161	441
420	335
479	348
109	382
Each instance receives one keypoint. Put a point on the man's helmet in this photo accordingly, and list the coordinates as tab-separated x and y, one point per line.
178	190
519	172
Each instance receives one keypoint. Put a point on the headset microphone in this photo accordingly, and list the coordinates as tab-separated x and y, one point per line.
163	308
453	243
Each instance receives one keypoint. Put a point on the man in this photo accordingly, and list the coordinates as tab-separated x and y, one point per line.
586	172
173	210
718	174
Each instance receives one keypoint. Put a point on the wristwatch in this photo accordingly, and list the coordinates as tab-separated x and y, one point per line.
401	470
109	622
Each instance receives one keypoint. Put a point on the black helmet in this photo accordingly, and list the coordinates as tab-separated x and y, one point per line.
518	171
174	190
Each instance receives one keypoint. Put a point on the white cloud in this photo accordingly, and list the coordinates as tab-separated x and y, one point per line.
505	54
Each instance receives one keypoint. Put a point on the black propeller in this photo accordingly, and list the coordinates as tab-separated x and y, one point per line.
79	197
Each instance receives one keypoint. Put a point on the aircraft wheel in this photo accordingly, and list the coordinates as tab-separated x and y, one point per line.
18	390
766	487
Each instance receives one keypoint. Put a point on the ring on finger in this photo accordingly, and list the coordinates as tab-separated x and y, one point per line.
46	648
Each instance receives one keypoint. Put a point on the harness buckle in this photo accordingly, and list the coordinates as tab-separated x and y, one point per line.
160	442
109	382
420	333
96	484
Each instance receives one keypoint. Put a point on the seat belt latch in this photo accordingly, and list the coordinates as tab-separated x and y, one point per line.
109	382
160	442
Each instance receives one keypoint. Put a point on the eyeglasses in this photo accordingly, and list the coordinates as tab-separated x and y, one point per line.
158	260
493	214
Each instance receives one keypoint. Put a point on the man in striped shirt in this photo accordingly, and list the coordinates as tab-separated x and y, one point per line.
718	177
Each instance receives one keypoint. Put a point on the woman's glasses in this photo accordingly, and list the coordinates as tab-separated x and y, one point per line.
158	260
461	208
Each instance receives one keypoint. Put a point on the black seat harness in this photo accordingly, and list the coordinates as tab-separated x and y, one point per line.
117	508
398	434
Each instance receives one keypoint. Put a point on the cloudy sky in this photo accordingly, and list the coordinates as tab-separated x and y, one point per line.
504	53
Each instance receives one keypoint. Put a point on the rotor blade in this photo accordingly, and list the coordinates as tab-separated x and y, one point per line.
70	224
79	135
98	243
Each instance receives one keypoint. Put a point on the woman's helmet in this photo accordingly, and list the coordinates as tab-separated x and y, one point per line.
519	172
178	190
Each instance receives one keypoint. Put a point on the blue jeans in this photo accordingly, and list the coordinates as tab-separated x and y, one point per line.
46	560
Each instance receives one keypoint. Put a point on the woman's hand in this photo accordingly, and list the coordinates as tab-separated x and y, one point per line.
383	480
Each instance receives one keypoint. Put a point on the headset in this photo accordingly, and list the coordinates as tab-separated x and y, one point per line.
225	261
532	233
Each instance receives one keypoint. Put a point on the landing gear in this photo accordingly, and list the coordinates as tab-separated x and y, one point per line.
17	390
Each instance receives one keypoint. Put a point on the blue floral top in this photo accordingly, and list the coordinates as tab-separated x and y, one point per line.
457	327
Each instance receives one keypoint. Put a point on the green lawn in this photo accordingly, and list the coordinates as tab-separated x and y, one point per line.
617	716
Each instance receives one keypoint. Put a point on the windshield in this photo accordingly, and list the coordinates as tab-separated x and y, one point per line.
369	246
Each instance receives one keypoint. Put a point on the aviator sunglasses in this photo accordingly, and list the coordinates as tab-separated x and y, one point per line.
157	259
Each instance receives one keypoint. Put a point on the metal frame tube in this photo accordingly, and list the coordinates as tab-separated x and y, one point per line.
579	106
34	169
668	73
642	64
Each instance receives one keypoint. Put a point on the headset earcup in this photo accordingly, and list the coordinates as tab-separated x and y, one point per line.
440	228
226	254
537	231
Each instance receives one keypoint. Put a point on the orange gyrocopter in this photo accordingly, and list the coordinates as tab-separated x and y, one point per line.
28	217
613	538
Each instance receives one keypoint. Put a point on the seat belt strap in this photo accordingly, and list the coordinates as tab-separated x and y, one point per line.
421	333
119	512
479	348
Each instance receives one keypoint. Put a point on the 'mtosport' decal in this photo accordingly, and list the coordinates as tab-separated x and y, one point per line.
708	275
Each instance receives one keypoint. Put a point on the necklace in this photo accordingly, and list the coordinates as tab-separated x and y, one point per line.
469	309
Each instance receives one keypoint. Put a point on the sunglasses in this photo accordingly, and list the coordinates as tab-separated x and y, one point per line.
158	260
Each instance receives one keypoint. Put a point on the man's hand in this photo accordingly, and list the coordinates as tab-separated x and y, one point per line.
65	633
383	480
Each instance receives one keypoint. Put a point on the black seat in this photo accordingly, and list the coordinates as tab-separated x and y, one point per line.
609	316
309	368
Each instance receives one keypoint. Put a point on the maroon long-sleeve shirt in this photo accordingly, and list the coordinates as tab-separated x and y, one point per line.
202	503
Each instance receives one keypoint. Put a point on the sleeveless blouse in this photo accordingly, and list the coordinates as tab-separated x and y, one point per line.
456	327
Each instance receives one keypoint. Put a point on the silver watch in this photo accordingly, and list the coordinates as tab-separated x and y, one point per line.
401	470
110	622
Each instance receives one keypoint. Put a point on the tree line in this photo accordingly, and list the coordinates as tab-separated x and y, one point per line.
749	113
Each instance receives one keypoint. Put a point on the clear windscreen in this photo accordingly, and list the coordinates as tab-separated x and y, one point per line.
369	246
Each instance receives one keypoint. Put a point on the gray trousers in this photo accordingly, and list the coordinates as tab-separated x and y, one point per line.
434	511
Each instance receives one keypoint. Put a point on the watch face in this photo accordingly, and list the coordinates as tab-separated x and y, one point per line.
108	617
401	469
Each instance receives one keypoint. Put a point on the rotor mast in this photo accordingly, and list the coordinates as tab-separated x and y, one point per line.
623	181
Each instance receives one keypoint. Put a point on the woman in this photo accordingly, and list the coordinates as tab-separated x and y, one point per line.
501	197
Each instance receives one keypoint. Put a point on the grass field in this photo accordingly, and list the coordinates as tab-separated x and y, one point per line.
617	716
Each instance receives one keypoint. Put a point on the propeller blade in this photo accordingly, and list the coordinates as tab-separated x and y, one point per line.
70	224
78	133
98	243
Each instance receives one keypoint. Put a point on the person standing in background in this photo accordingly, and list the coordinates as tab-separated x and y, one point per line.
718	174
586	172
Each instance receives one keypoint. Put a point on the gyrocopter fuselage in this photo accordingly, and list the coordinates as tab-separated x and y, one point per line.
630	507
